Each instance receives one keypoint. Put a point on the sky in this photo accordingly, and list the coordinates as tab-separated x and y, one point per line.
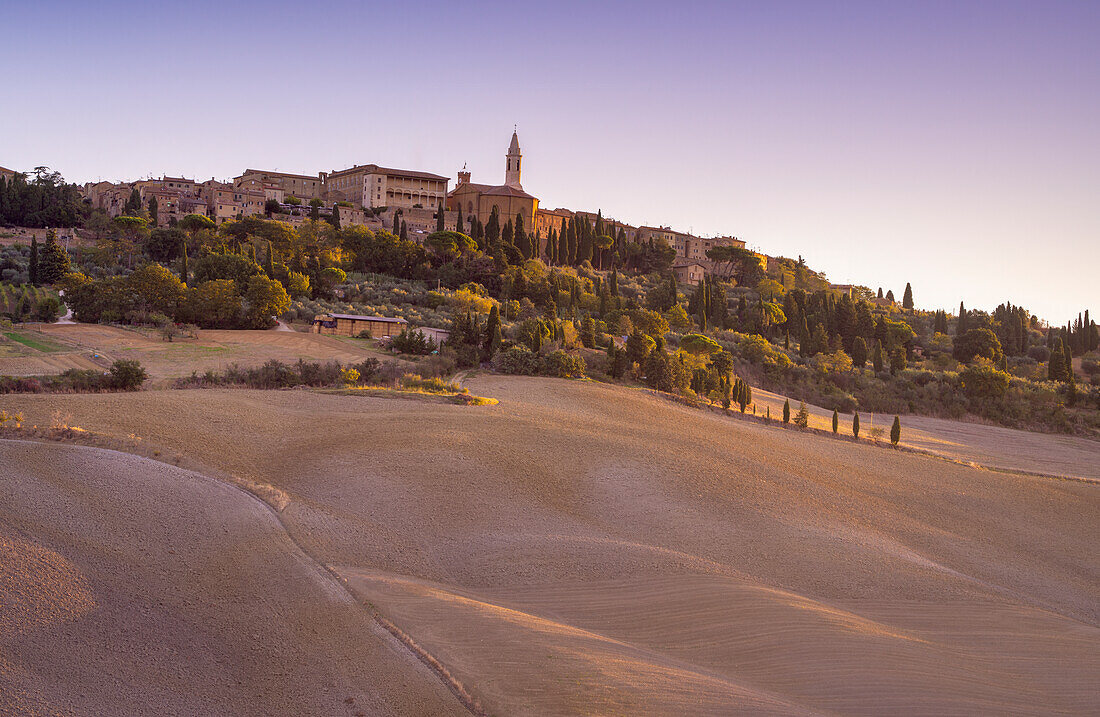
953	145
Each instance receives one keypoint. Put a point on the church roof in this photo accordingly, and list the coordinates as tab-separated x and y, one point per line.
471	185
489	190
506	191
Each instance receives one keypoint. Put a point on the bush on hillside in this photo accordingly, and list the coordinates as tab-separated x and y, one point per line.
127	375
413	342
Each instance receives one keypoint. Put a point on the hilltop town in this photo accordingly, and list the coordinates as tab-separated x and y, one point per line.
407	202
479	275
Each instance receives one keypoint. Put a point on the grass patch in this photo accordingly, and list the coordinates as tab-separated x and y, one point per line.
461	398
38	344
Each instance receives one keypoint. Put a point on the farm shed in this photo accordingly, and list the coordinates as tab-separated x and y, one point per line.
353	325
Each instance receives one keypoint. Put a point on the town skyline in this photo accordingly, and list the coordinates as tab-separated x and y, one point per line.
966	165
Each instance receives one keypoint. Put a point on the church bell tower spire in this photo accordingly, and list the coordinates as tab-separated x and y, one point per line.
512	174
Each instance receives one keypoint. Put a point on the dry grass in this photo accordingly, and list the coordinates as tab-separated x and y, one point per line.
86	346
587	549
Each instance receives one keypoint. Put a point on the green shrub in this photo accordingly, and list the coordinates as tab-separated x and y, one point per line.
562	365
983	382
413	342
127	375
517	360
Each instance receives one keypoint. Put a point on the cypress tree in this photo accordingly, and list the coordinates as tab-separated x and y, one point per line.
404	230
440	223
492	332
859	352
907	298
1054	366
879	357
855	426
252	253
1067	363
33	267
154	212
479	233
459	226
880	292
787	411
520	238
336	216
895	431
54	262
836	421
960	327
183	261
492	230
588	332
396	223
133	204
269	263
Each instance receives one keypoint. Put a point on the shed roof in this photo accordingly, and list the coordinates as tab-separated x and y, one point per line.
357	317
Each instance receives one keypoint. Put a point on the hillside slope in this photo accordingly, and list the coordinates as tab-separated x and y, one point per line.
131	587
581	548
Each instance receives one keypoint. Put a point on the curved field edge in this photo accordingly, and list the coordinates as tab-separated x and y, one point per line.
51	477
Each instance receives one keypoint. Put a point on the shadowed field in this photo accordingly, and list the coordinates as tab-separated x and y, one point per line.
93	346
132	587
588	549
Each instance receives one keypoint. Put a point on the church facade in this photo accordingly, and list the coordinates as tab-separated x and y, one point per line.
509	199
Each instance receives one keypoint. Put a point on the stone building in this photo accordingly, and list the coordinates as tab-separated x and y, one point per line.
373	186
7	174
478	200
688	271
547	220
111	197
226	201
302	186
697	247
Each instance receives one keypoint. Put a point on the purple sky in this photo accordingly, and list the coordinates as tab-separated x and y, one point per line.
954	145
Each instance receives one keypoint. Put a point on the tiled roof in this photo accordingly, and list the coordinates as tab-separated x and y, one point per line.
281	174
505	191
357	317
472	185
375	169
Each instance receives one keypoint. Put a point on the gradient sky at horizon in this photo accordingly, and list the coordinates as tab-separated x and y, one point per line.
955	145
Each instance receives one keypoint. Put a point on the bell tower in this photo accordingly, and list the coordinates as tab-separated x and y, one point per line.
511	175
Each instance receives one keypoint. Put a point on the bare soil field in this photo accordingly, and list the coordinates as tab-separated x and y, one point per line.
588	549
94	346
132	587
986	445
